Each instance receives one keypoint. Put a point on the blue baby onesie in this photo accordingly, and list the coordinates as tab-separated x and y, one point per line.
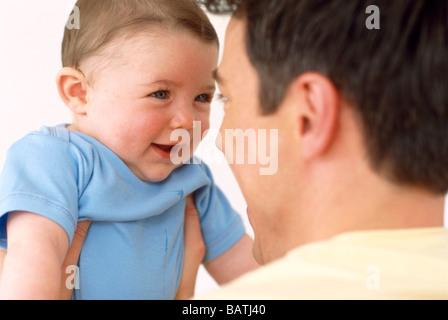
134	247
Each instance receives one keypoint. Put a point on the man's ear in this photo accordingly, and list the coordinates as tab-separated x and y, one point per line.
318	113
72	87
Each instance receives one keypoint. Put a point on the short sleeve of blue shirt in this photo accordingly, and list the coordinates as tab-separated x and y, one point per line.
221	226
40	176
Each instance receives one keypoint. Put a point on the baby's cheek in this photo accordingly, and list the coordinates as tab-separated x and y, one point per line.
205	125
150	127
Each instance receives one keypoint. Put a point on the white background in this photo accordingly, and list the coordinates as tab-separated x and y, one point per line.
31	34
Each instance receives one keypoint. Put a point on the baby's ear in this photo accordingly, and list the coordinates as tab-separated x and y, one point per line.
72	87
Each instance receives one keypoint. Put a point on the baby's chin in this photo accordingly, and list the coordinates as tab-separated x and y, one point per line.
157	173
155	178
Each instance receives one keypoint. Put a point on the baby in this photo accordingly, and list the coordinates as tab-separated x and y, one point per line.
134	72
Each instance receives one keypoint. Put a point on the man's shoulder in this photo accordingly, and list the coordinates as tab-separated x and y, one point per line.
269	282
350	268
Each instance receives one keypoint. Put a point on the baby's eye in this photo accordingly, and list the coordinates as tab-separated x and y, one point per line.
163	94
205	98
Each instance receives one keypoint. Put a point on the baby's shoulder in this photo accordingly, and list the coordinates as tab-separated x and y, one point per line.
49	142
53	148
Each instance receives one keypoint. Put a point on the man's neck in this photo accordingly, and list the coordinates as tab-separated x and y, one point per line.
372	203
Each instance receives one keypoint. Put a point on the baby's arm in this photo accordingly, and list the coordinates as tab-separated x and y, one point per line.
234	262
36	249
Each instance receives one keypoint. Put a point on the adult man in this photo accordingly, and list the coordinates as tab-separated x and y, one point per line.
356	208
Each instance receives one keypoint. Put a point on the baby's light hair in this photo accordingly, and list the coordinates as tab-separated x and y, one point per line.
102	21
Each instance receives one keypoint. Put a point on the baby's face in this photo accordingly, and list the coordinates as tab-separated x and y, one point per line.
154	85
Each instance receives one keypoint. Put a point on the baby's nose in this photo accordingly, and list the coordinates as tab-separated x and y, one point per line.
183	117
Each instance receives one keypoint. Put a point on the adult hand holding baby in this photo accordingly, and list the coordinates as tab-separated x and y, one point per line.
72	258
193	254
194	251
2	259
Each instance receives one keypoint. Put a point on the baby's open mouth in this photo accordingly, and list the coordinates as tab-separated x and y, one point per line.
163	150
163	147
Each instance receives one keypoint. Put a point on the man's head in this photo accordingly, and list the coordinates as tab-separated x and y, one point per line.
387	85
395	78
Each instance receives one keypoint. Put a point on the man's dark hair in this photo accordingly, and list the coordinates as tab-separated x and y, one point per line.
395	77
